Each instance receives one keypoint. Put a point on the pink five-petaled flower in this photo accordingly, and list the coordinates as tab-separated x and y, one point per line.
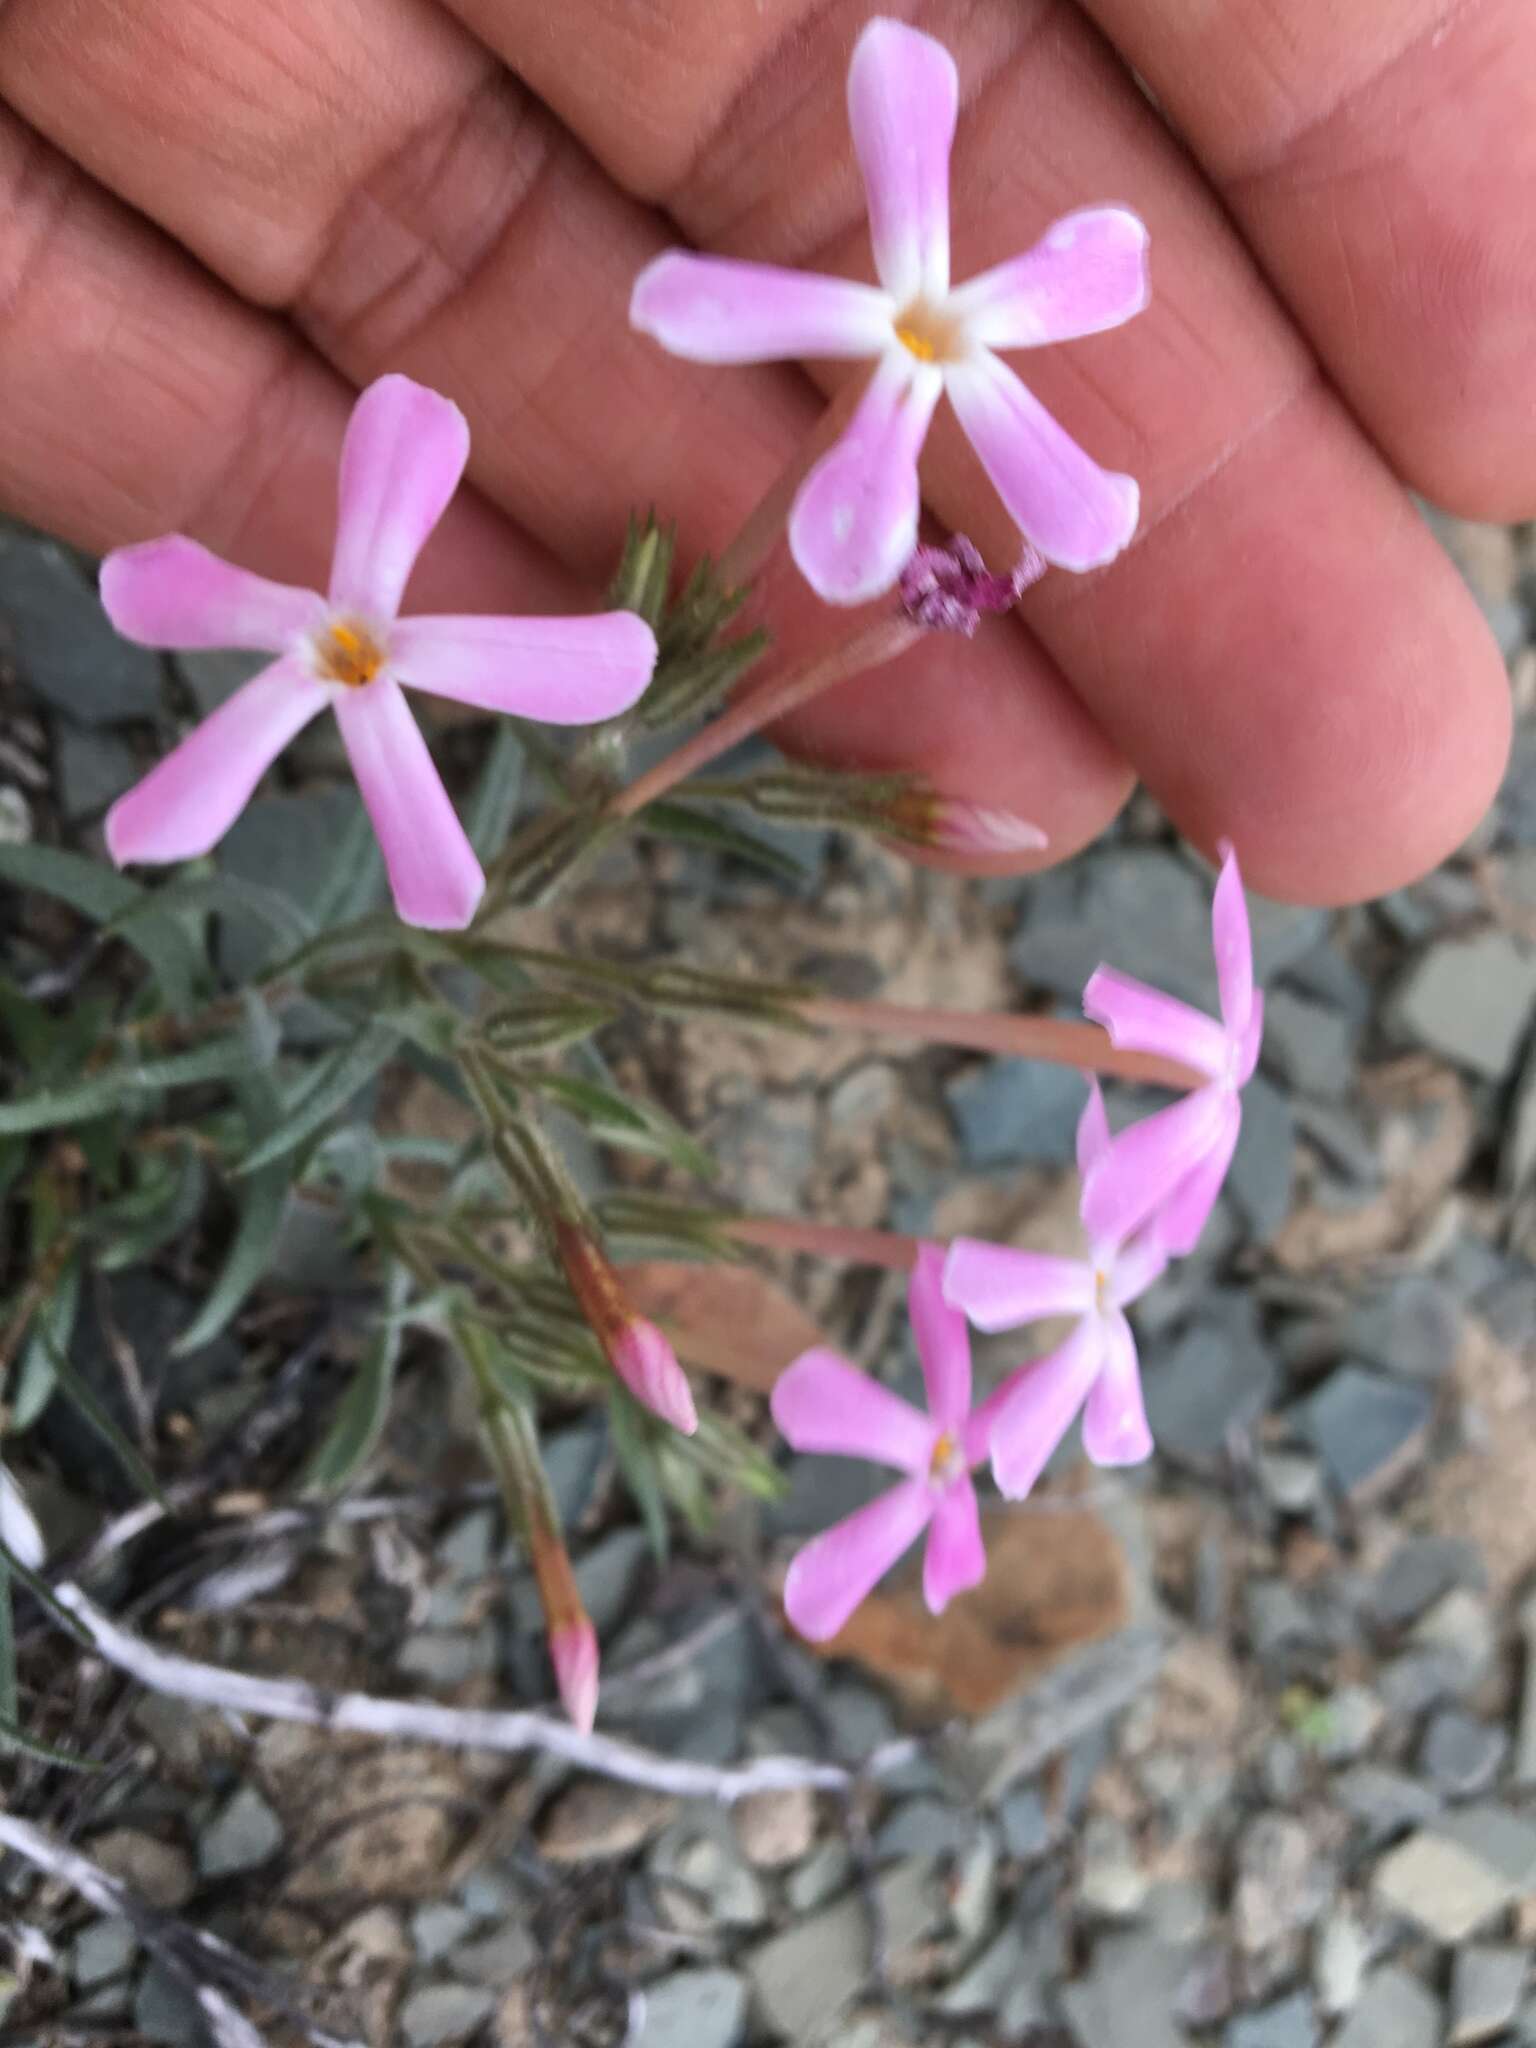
1172	1164
1095	1369
854	522
822	1403
401	462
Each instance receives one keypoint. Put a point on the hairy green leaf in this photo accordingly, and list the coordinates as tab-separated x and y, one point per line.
332	1086
493	805
122	1086
359	1418
99	893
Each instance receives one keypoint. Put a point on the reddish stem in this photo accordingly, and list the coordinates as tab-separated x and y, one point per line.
1060	1040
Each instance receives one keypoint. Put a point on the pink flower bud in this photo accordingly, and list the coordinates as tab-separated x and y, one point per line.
962	827
647	1364
573	1652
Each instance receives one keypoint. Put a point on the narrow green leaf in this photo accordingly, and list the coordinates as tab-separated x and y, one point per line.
264	1204
8	1698
636	1459
121	1086
698	828
100	894
91	1411
52	1328
489	813
179	1201
215	894
354	877
28	1026
620	1121
336	1081
360	1416
41	1591
13	1736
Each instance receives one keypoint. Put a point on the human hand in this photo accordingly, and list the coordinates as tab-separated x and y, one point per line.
216	222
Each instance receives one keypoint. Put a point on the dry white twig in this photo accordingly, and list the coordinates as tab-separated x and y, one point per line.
290	1699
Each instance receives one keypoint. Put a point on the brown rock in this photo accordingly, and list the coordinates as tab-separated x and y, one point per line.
1055	1580
731	1320
596	1822
776	1828
159	1873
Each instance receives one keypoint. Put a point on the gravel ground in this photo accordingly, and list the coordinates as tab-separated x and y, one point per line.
1237	1750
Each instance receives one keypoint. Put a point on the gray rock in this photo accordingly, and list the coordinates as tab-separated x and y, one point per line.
694	2009
15	817
923	1827
1279	1622
1454	1877
1292	1480
1215	1380
1470	1000
213	673
1461	1755
166	2012
1280	1886
1487	1983
103	1950
804	1976
1412	1329
1368	1429
1395	2011
244	1834
572	1460
1016	1113
468	1549
1417	1680
442	1659
859	1720
1128	1997
1524	1772
1385	1801
1517	1160
92	769
497	1959
1148	913
1460	1626
1262	1177
64	645
821	1876
285	843
1340	1958
438	2013
438	1927
1110	1880
701	1878
1310	1045
607	1577
1006	1978
1027	1832
1348	1724
1420	1571
1289	2023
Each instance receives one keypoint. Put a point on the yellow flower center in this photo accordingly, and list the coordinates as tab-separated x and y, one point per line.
928	333
946	1453
348	653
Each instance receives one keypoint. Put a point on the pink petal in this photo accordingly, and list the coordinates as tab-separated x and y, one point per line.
832	1574
559	671
1115	1428
1188	1209
714	309
1001	1289
401	462
1146	1163
647	1364
1092	1130
854	522
943	1342
432	869
1233	942
1042	1400
173	593
573	1652
822	1403
956	1557
1143	1019
186	804
1247	1053
903	96
1137	1264
1078	515
1087	273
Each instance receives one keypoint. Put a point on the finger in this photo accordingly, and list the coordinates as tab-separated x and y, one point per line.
142	398
1382	159
494	261
1281	602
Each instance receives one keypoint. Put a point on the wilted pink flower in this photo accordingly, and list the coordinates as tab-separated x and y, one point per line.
401	462
951	589
1173	1163
634	1347
573	1652
854	522
822	1403
1095	1369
